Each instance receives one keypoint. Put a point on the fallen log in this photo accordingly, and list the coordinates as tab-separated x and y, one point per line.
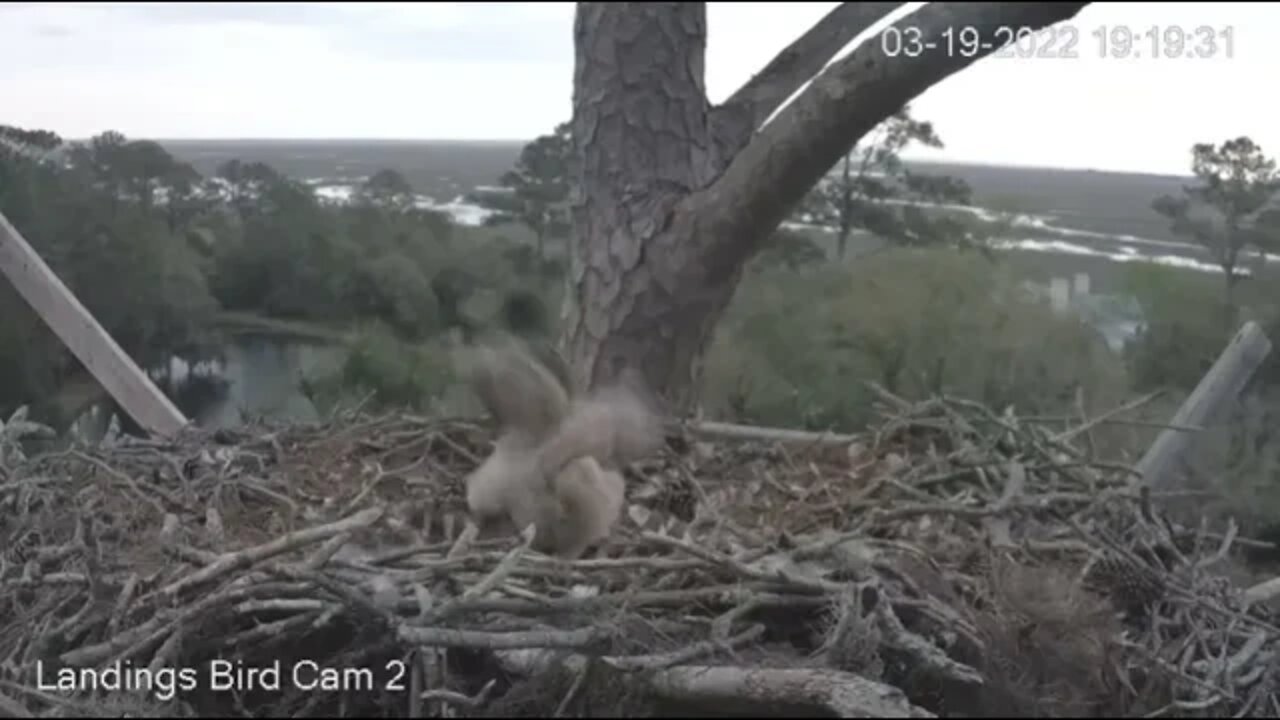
755	691
1224	381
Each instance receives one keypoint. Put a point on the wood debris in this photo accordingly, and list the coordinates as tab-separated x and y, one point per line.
952	560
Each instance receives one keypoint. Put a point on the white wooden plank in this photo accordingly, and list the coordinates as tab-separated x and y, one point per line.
118	374
1220	385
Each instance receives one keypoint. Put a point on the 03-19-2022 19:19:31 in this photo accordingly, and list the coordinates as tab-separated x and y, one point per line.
1065	41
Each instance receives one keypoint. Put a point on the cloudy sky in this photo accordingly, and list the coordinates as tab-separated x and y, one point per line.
503	71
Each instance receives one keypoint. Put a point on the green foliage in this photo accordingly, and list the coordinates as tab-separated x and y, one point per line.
536	191
89	210
797	346
395	289
156	251
386	189
1234	182
294	257
790	249
1182	331
526	313
389	371
877	194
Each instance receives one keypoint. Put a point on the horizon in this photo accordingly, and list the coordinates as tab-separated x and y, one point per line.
522	142
495	73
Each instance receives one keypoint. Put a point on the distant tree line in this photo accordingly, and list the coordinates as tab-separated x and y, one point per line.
155	251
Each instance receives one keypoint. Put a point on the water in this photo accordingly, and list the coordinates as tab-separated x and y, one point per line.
254	375
262	377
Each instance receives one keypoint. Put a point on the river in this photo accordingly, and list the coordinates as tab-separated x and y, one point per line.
254	375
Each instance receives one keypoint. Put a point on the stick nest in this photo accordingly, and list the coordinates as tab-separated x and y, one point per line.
952	561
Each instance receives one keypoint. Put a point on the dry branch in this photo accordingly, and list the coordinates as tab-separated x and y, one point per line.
810	691
1263	591
251	556
732	431
937	562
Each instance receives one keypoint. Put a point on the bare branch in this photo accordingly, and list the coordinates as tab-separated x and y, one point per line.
810	690
737	118
1263	591
849	99
791	690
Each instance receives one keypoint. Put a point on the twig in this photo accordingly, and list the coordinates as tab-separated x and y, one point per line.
485	586
12	708
926	654
693	652
579	682
738	568
1068	435
125	479
563	640
464	540
817	690
732	431
367	490
1223	548
1262	592
232	562
457	698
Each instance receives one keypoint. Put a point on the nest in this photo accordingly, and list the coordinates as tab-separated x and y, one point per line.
952	561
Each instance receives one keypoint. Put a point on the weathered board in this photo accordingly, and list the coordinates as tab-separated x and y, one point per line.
1224	381
54	302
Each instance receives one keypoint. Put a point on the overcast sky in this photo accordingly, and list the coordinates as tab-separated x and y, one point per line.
504	71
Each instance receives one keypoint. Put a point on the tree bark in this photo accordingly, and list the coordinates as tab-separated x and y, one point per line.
673	197
540	251
642	142
846	205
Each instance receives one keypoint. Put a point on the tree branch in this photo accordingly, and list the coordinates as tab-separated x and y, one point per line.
736	119
848	100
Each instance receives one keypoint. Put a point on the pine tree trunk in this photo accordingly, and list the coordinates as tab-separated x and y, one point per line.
846	207
673	195
540	256
641	133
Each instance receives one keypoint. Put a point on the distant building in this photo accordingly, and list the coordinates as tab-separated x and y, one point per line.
1118	318
1059	295
1081	286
